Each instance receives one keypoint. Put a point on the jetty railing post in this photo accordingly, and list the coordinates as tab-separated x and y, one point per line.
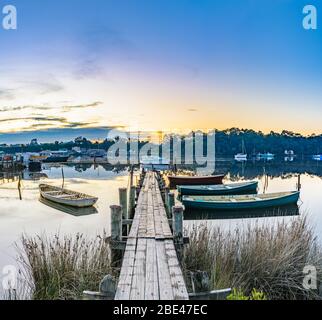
177	224
123	204
170	203
116	230
132	202
166	199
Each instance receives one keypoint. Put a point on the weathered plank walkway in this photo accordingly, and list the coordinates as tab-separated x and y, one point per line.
150	268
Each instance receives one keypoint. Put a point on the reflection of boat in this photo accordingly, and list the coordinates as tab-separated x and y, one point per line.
57	156
34	165
317	157
265	156
288	210
154	163
38	175
221	189
66	197
68	209
241	201
243	155
195	180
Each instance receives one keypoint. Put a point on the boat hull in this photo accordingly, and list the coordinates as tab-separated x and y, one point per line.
66	197
55	159
186	180
226	203
229	189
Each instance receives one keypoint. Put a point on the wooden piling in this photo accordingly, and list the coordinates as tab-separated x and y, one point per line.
170	203
177	224
123	204
132	202
299	182
116	232
166	199
116	222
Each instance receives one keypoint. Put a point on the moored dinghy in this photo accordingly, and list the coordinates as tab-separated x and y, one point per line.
223	189
66	197
195	180
238	202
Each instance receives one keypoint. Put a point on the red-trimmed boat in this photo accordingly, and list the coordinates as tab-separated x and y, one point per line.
195	180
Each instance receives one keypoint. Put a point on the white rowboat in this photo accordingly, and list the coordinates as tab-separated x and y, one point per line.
66	197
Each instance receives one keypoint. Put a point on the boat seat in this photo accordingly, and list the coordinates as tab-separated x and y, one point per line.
233	200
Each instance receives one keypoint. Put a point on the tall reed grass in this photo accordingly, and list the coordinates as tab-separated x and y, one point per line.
267	257
63	267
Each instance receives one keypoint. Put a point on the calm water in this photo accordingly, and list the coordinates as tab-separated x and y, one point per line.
33	217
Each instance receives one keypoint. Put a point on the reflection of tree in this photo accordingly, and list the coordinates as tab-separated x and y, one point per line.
253	170
82	167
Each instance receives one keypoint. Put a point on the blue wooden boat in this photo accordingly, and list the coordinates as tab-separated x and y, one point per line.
238	202
223	189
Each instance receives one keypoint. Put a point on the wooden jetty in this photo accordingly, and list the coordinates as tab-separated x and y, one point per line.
150	267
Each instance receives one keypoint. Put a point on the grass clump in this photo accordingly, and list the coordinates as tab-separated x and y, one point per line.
237	294
63	267
270	258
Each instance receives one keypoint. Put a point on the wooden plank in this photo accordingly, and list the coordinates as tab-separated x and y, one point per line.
138	282
165	287
177	280
126	275
151	279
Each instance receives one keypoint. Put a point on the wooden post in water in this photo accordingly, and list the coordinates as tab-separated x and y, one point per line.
166	199
123	204
132	202
116	231
177	224
116	222
131	175
299	182
19	187
170	203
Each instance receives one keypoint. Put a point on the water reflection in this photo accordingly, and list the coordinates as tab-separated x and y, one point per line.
289	210
76	212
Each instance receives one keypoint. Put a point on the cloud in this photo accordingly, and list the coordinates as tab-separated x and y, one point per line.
63	108
192	110
81	106
48	122
6	94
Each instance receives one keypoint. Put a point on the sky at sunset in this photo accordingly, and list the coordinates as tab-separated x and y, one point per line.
161	65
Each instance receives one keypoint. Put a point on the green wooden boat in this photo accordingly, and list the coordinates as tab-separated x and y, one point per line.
238	202
222	189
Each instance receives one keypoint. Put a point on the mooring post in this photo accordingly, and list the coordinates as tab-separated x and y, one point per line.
132	202
131	175
123	204
299	182
116	232
116	222
170	203
177	224
166	199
